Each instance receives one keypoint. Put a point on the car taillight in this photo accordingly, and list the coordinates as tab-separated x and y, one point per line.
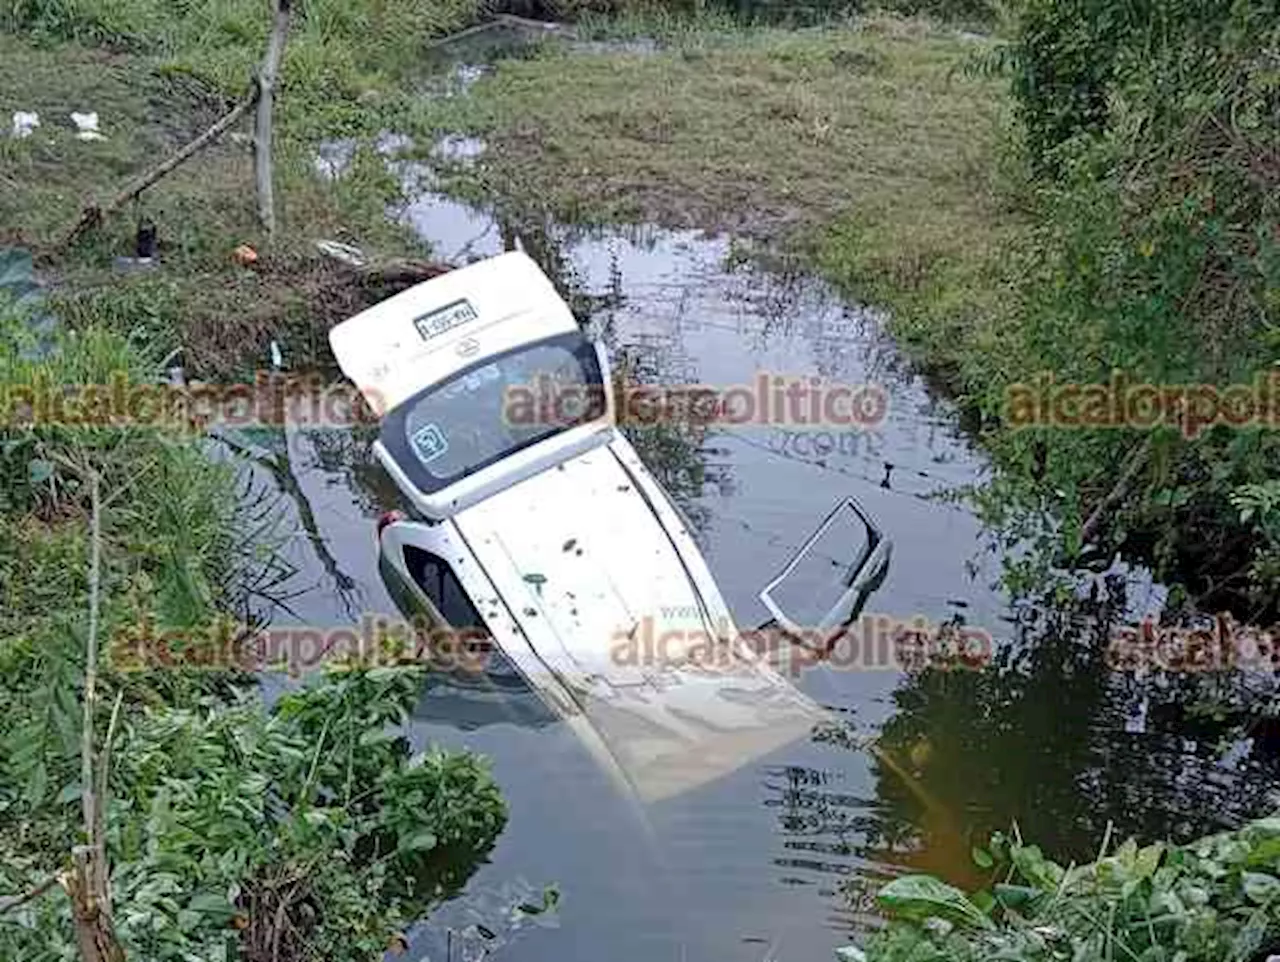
388	518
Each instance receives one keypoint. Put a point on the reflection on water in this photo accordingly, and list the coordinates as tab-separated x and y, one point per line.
1046	733
778	860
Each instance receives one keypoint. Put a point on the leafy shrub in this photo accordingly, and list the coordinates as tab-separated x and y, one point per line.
305	830
309	829
1216	900
1151	129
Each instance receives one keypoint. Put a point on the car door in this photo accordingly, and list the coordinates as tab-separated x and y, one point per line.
824	586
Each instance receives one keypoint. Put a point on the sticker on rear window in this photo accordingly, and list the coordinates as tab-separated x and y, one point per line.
444	319
429	443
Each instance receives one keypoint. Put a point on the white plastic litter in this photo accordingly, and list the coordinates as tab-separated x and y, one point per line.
353	256
24	122
277	358
86	125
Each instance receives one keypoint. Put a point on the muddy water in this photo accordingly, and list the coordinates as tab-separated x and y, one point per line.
775	861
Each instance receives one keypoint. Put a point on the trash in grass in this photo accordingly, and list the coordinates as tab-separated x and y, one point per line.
346	253
24	122
87	125
133	265
144	245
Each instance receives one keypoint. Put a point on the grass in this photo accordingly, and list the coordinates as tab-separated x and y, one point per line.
159	73
866	146
199	299
860	145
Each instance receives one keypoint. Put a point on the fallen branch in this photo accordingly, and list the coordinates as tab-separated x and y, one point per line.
262	124
462	34
93	215
398	271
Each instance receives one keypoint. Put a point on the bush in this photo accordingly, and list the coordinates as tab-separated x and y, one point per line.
233	830
1151	129
307	830
1216	900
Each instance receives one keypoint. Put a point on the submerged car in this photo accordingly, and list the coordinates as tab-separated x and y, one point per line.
535	524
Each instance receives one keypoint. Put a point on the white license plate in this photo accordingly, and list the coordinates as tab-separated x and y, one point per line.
444	319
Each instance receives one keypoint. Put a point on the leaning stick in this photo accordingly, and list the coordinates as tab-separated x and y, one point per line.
93	215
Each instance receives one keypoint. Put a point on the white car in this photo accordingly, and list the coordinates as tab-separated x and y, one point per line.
535	523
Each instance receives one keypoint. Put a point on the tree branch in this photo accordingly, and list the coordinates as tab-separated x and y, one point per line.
1136	462
100	806
93	215
87	795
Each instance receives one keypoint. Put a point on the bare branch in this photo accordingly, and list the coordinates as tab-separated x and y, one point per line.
87	795
1136	462
94	214
104	769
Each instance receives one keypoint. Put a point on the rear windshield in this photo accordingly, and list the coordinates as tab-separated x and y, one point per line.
495	408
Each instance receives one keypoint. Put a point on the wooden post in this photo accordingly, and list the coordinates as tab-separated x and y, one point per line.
262	126
88	885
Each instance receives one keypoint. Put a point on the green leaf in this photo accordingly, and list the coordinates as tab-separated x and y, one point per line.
215	902
421	841
982	858
921	897
1016	897
1035	868
1148	860
374	736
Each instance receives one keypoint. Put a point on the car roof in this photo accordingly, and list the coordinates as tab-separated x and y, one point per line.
496	304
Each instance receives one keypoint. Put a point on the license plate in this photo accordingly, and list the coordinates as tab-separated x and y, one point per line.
444	319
